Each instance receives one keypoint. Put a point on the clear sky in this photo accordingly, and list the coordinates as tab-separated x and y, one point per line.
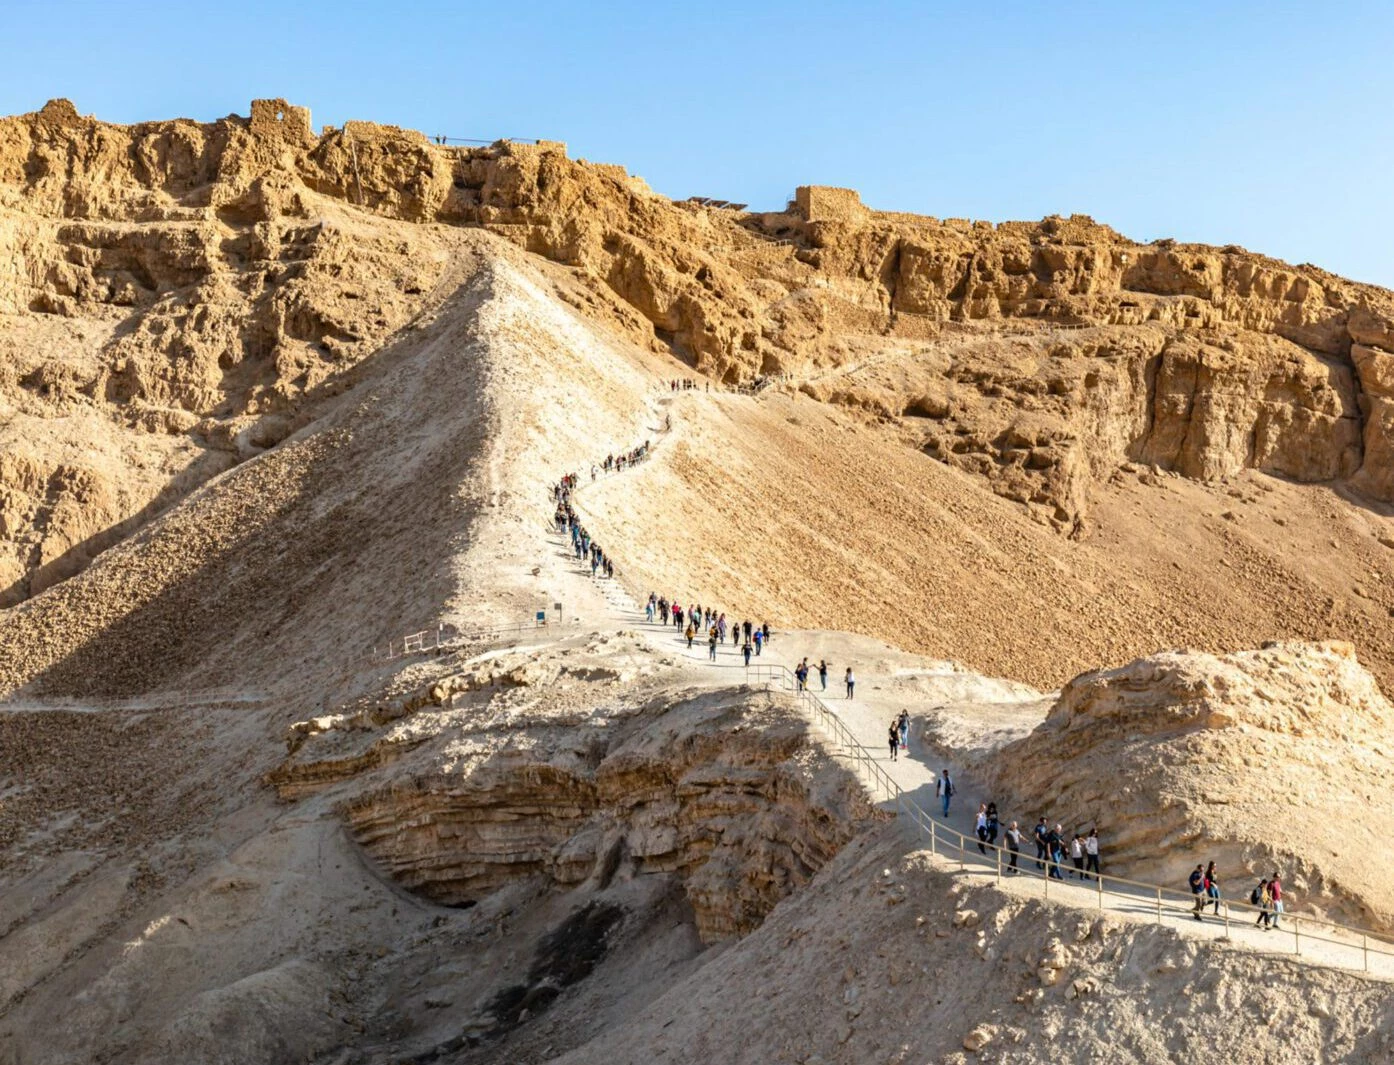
1269	125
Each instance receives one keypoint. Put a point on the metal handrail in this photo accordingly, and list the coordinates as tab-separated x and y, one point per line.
764	675
1164	898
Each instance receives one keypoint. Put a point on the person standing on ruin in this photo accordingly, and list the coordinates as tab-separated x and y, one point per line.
823	673
851	682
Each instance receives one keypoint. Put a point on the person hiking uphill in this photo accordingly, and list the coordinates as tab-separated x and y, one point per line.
745	653
944	788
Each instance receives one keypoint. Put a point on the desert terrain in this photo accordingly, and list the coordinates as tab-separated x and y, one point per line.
1111	522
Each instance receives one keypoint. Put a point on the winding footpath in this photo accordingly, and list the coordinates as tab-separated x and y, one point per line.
854	731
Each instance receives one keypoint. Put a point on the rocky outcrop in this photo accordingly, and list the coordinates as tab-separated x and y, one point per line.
1276	758
728	798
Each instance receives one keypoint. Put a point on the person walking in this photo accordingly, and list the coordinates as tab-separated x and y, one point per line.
904	724
894	740
944	788
1197	882
1275	889
689	632
980	827
711	644
1055	844
1077	855
1263	899
1041	834
745	653
759	640
1013	837
1212	888
801	675
823	673
993	824
765	628
1091	851
851	682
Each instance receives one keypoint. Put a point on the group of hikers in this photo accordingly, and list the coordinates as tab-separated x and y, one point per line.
1267	895
683	384
567	523
708	623
1054	846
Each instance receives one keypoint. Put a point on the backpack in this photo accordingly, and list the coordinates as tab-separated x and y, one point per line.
1255	896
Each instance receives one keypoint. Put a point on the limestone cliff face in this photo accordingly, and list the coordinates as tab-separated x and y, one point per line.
1257	760
740	809
223	274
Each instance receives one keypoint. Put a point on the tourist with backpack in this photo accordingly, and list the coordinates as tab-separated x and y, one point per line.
1263	899
1212	887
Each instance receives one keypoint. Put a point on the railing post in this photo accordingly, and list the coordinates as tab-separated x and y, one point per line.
999	864
1365	949
1099	879
1226	918
934	849
1296	937
1159	905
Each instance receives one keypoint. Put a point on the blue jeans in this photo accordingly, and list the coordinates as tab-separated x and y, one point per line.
946	805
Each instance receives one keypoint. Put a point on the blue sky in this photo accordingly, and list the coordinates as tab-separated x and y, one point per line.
1266	125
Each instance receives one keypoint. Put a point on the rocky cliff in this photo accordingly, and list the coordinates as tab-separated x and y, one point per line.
199	283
